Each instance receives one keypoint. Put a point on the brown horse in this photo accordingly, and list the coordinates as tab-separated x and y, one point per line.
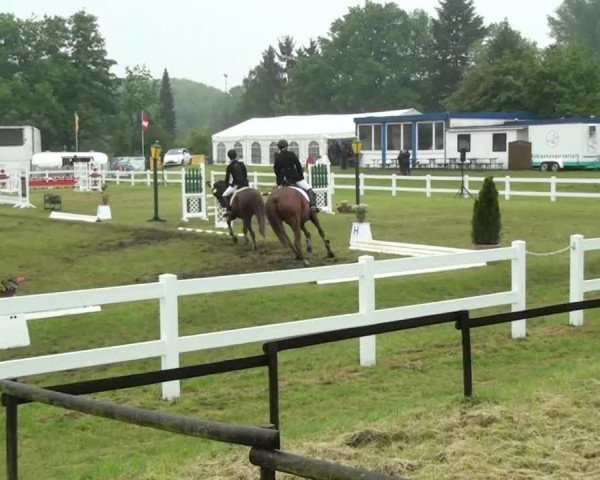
286	204
248	202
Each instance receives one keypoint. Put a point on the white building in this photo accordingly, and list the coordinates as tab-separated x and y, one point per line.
255	140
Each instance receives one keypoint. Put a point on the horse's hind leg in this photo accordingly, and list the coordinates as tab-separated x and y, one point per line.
231	234
308	239
315	220
248	228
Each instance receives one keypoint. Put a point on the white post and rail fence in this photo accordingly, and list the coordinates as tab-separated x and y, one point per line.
169	345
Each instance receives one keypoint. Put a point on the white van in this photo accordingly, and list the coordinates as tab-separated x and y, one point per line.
64	160
19	143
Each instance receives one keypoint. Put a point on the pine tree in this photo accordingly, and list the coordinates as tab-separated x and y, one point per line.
167	105
455	31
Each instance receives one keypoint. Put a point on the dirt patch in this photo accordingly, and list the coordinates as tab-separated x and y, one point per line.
135	238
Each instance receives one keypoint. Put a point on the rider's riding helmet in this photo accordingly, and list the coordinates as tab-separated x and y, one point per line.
232	154
282	144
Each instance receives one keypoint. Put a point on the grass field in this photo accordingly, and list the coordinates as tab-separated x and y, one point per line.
534	413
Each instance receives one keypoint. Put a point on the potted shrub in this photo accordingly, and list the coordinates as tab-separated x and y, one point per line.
486	225
104	212
360	211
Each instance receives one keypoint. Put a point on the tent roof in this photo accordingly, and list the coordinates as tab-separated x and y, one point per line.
296	126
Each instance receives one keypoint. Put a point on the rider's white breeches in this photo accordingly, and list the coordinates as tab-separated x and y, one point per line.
303	184
229	191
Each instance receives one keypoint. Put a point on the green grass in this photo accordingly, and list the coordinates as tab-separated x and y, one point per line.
532	415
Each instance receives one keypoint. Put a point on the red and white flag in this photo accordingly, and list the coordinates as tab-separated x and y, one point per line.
145	122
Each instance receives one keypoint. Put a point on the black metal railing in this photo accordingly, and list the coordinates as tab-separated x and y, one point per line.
265	441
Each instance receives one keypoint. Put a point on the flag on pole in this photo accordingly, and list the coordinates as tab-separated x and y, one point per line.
76	123
145	122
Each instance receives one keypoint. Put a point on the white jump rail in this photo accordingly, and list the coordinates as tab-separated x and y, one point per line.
578	286
168	290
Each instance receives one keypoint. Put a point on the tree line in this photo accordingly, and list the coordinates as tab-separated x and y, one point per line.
375	57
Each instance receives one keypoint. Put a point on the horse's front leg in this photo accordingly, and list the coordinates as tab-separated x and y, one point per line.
315	220
248	227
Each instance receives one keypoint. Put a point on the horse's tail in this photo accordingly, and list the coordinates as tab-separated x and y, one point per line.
275	221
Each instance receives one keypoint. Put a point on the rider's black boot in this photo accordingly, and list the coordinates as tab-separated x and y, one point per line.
312	198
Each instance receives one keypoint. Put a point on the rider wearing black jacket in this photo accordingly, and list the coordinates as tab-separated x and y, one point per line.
236	177
289	172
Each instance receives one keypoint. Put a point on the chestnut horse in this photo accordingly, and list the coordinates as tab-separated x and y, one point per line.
246	203
286	204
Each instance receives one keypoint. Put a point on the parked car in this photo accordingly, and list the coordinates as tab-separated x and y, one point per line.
177	156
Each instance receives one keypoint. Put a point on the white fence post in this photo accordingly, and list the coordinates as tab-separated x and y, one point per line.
519	285
507	188
132	177
362	184
553	189
366	306
576	278
169	334
118	176
393	184
466	186
255	179
428	185
148	178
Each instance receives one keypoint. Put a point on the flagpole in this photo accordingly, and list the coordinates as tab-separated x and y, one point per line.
142	124
76	132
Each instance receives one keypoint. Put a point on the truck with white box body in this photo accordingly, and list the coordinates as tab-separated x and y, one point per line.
19	143
565	143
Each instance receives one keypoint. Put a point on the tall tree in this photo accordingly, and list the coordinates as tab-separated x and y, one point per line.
167	105
577	20
264	87
498	80
456	29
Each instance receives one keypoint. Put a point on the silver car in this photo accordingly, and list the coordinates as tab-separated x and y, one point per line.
177	156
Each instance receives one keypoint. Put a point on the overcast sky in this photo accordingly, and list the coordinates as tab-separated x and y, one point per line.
203	40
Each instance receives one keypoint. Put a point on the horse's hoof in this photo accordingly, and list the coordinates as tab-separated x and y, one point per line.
330	255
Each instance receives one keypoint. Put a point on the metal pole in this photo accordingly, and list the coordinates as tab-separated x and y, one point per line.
465	328
12	439
156	218
356	180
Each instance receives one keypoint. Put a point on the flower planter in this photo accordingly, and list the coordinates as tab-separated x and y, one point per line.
104	212
487	246
8	294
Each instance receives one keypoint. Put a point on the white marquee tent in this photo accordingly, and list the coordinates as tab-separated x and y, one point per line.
256	139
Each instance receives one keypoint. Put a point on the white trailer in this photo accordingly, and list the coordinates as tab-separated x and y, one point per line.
19	143
568	143
60	160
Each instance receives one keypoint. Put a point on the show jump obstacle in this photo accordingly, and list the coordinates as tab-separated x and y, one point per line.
321	182
14	185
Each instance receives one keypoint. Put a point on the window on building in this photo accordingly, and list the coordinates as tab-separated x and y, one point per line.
394	136
11	137
272	151
365	134
237	146
464	141
220	153
499	142
293	147
407	136
425	136
376	137
314	150
439	135
256	154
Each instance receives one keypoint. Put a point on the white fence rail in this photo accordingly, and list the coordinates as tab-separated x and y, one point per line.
396	183
578	285
168	290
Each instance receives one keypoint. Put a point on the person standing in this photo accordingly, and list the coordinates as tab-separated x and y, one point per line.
288	171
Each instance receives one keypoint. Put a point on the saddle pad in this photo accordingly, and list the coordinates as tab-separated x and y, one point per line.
303	192
238	191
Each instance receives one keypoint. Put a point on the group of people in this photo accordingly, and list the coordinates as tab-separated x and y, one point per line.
404	162
287	168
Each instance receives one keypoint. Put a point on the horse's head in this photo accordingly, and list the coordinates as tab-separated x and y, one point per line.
219	187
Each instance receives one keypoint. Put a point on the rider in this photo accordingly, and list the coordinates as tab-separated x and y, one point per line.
289	171
236	177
